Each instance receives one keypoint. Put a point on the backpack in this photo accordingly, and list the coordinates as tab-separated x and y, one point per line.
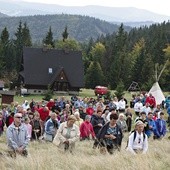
134	137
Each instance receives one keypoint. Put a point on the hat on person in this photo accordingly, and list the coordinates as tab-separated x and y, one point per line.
18	115
139	122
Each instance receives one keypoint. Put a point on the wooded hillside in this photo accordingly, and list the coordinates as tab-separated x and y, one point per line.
80	28
113	60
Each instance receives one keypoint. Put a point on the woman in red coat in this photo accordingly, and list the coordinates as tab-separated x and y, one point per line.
86	129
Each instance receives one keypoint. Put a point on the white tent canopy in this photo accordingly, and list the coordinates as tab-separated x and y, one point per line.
157	93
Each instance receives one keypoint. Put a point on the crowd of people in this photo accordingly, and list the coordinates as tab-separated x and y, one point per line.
64	122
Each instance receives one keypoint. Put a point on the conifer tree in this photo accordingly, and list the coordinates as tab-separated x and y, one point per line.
49	39
27	42
94	75
65	34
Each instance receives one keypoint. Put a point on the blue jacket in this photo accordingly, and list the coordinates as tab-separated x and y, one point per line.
17	137
168	110
160	127
50	127
153	130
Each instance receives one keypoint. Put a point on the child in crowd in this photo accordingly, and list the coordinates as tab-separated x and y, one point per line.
29	127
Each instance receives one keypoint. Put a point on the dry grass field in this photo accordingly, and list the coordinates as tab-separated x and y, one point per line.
46	156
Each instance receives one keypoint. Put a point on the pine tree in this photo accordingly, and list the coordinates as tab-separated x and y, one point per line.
94	75
119	67
19	46
4	36
65	34
49	39
26	37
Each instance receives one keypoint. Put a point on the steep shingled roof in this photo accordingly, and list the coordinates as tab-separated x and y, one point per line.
37	63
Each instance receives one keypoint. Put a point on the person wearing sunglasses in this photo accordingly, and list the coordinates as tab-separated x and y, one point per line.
17	137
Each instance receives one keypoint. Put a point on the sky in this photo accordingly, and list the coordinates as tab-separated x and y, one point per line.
157	6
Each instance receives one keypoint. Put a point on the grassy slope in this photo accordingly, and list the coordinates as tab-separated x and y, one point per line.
47	156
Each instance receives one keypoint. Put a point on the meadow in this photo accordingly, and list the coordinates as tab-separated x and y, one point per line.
45	156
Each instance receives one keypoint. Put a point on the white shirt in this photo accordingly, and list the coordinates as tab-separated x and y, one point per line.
138	107
146	110
122	104
108	116
138	143
117	105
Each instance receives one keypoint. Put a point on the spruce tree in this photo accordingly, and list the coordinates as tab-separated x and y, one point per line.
19	46
27	42
49	39
4	36
65	34
94	75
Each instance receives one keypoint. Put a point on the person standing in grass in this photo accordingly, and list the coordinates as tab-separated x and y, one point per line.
17	137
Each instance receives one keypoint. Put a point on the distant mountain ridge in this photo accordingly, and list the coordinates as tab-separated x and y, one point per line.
111	14
3	15
81	28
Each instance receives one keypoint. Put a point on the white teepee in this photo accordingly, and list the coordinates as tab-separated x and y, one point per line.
156	90
157	93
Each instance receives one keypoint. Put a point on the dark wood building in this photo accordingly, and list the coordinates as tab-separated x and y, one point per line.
59	69
7	97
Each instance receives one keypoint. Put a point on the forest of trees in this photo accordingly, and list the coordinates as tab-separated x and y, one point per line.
80	27
113	60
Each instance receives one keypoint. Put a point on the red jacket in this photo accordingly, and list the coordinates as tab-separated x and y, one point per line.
50	105
43	113
86	129
89	111
151	101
